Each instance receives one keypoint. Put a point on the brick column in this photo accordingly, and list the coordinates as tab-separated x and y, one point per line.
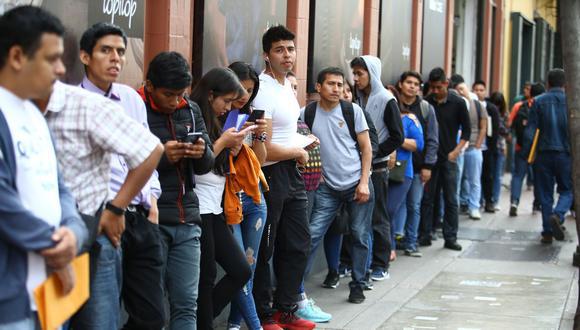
297	21
168	26
416	35
371	27
449	36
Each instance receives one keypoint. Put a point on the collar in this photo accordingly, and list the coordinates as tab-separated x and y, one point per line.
556	90
112	93
7	97
148	100
266	76
57	97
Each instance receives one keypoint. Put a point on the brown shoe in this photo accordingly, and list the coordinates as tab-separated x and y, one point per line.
547	239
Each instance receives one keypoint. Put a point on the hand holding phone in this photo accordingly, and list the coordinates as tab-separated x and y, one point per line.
256	114
192	137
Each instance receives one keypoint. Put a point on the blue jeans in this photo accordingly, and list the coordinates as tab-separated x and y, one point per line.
181	254
460	171
30	323
413	206
520	170
248	234
499	170
471	191
326	206
553	167
397	207
102	309
332	244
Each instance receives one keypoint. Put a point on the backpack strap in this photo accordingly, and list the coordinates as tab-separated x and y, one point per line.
309	114
478	108
348	114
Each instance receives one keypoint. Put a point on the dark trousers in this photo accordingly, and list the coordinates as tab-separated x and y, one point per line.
487	174
381	222
218	245
286	239
142	289
443	177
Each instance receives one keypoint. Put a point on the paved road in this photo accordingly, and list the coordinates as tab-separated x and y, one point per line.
503	279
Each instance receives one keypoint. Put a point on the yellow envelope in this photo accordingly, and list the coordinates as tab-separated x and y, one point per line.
54	308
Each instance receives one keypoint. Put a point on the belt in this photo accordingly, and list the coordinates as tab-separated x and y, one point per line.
138	209
380	167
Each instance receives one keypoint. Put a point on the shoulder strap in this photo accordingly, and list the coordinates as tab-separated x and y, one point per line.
478	108
309	114
348	114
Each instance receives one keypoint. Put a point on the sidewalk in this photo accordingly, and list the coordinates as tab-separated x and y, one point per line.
503	279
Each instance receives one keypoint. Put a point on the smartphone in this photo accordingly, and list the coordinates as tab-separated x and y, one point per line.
192	137
256	114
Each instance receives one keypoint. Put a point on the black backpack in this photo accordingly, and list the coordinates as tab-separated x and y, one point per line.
348	114
521	121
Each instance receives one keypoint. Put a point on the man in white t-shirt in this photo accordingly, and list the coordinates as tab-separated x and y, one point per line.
286	236
40	229
346	165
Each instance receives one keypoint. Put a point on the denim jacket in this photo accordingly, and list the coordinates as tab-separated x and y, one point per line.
549	115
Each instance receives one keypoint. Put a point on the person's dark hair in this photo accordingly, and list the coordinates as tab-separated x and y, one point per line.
413	74
479	82
169	70
290	74
437	74
537	89
498	99
275	34
454	80
24	26
328	71
360	62
217	82
98	31
556	78
245	71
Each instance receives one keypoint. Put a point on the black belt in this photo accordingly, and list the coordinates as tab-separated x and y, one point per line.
138	209
380	167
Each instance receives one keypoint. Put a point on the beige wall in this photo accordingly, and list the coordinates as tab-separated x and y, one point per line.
545	8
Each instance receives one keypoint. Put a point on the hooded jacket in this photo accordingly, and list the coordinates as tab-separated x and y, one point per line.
384	111
178	203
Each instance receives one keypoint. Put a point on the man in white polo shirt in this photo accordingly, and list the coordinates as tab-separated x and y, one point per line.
286	236
40	229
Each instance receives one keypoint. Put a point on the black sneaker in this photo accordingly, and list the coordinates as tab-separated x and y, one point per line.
356	295
463	209
368	285
557	227
332	280
425	242
513	210
452	245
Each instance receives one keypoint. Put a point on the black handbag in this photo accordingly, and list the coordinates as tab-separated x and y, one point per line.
397	173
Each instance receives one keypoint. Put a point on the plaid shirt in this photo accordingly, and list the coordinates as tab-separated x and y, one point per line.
87	129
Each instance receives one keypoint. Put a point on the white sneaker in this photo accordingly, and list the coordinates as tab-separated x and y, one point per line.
497	208
474	214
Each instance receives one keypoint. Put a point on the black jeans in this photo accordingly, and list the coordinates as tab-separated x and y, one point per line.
381	222
487	174
218	245
286	239
142	289
443	177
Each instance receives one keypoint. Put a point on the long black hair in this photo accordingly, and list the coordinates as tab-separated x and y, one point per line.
245	71
217	82
498	99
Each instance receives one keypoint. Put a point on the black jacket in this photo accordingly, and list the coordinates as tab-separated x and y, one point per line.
178	202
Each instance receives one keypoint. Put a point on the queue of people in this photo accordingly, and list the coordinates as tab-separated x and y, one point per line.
159	185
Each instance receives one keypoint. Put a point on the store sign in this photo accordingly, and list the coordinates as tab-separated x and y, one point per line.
437	5
128	14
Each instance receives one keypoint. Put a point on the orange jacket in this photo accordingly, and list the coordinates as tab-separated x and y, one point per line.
245	174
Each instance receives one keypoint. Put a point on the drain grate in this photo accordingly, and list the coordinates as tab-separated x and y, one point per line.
483	234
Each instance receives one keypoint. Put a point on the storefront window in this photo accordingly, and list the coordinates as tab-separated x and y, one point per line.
232	30
433	50
336	36
395	51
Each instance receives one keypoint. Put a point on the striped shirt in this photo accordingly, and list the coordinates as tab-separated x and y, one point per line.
88	129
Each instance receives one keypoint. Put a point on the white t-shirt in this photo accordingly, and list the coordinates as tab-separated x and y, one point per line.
281	106
36	172
209	189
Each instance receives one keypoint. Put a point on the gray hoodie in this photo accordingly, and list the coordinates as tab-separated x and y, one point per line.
383	109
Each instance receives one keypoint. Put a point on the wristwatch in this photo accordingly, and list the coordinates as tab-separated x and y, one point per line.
114	209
